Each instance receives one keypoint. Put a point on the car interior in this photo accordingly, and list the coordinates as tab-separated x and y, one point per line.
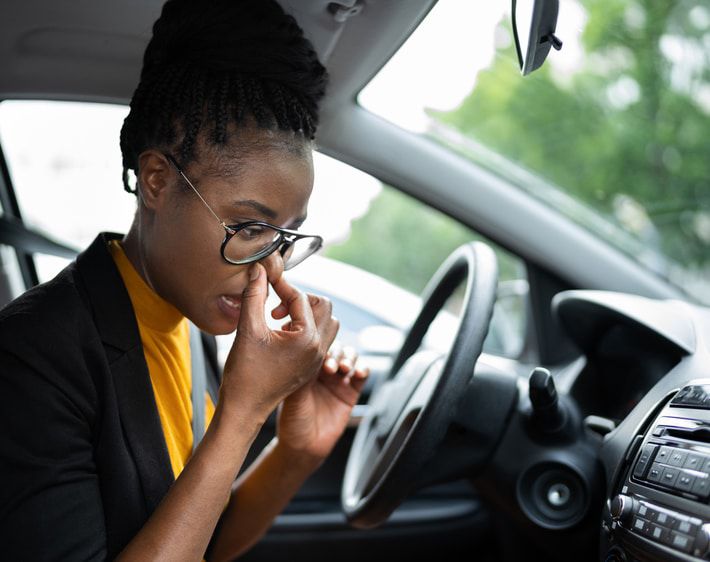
542	393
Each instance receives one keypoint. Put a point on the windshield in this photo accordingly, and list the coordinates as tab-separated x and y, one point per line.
612	131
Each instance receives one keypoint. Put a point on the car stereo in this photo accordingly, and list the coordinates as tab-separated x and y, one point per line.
662	511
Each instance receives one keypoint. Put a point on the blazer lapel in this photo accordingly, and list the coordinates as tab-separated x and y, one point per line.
116	323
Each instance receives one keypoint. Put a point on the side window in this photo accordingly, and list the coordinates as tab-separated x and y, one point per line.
11	283
65	164
381	247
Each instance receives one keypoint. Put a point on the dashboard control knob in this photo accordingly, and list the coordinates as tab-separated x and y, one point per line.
621	508
702	541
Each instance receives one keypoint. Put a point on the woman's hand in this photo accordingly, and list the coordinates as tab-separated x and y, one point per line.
264	366
312	418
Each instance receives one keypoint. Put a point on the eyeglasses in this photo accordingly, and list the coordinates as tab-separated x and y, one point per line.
252	241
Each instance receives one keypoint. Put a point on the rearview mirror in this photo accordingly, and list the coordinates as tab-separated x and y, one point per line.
534	23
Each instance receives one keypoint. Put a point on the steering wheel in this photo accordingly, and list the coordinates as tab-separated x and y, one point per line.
410	410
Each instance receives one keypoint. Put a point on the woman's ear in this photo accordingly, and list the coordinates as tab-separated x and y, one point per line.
154	178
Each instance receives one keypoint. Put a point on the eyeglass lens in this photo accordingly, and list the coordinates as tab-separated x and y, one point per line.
299	250
258	241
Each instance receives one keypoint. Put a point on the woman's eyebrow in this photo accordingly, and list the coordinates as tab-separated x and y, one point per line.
259	207
297	223
268	212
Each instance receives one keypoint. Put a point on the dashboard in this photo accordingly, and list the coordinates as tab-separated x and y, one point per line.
648	371
616	377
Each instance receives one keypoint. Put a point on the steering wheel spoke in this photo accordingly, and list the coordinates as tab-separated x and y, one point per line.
398	390
371	450
395	407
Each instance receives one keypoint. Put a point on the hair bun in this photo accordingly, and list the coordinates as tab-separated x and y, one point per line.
236	35
212	63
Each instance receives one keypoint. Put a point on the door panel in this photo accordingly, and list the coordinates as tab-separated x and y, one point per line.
446	522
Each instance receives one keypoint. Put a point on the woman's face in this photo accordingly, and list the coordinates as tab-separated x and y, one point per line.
181	239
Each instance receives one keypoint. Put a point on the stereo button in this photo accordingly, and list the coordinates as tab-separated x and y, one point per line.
663	518
654	475
669	476
684	482
682	542
686	527
701	487
694	461
677	457
656	533
664	454
644	460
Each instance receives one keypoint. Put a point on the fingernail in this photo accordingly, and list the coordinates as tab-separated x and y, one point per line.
346	365
254	272
331	364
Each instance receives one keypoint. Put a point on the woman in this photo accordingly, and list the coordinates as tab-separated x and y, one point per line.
96	365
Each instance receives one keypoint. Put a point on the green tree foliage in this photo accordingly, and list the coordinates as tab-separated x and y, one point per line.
627	132
631	119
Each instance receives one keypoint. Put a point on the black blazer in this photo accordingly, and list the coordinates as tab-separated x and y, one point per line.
83	460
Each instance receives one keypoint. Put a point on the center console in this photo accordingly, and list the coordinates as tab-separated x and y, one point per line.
661	510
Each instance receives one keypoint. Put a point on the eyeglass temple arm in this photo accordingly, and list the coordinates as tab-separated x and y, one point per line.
179	171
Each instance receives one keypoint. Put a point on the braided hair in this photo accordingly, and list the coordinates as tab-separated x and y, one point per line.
215	63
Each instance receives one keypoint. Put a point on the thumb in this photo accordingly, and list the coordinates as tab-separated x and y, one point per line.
251	319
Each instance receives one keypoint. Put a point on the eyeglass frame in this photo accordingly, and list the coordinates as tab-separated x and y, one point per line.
283	243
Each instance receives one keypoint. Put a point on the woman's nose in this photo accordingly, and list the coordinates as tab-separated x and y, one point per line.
274	265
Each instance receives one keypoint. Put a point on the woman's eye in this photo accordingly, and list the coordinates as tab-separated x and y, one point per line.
251	232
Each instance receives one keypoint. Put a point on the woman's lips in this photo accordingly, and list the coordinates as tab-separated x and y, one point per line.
232	301
230	305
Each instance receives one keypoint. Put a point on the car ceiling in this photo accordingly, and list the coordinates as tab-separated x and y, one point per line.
91	50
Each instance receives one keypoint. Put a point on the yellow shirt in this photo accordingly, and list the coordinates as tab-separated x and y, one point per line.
165	334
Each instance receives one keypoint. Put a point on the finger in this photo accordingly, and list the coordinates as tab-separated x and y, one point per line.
329	331
345	365
322	308
279	312
330	365
328	325
357	383
254	296
299	309
323	315
347	359
361	372
274	265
